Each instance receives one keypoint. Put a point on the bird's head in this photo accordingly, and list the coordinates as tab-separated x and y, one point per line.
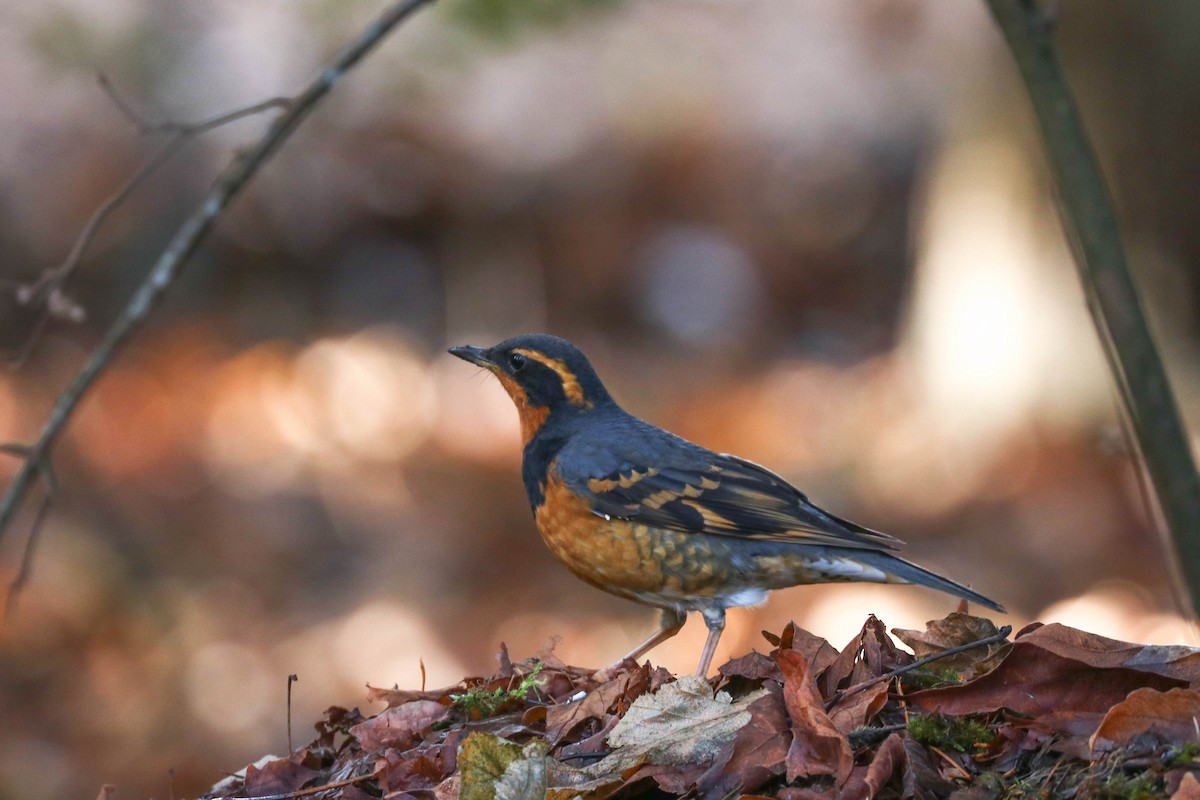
543	375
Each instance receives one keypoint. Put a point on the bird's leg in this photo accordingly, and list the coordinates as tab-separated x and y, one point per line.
714	618
670	624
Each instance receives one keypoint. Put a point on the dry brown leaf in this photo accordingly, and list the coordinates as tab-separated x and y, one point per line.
1035	680
1173	661
276	777
818	748
921	778
759	749
955	630
410	770
563	720
753	665
857	708
887	759
819	652
1189	788
398	697
868	655
449	789
1172	715
398	727
673	779
1066	732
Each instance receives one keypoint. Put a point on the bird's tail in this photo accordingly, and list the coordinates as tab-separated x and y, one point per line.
901	571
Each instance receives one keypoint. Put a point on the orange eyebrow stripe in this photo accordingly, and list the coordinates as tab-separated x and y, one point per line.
570	382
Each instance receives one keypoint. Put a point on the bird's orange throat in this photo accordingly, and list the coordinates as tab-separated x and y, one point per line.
532	417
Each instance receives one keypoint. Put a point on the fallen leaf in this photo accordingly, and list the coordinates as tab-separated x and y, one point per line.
818	747
819	652
398	727
1172	661
921	779
1067	732
887	759
495	769
1034	680
680	724
856	709
411	770
673	779
276	777
562	720
505	661
1189	788
641	680
397	697
679	717
759	750
868	655
1173	716
753	665
525	778
596	744
954	631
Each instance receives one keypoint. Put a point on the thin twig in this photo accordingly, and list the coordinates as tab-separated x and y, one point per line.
48	288
962	773
35	528
122	104
997	637
290	680
189	235
1091	226
189	128
26	569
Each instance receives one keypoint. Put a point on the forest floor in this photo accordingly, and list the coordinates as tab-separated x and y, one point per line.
971	714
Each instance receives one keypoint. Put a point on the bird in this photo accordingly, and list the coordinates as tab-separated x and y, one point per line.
646	515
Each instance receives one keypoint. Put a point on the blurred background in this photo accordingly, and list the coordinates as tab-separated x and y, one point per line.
818	235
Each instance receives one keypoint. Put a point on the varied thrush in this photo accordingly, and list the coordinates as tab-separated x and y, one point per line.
643	514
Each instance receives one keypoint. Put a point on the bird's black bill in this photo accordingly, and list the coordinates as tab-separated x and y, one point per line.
473	354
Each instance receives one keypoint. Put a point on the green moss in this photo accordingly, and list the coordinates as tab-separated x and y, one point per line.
930	678
949	733
1120	786
480	703
1187	756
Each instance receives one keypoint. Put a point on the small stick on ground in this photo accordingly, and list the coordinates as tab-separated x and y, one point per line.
1000	636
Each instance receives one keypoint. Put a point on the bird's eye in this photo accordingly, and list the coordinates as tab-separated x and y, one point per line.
516	361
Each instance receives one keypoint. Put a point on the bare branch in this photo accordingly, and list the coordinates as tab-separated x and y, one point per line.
189	128
35	528
228	184
122	104
1091	225
47	291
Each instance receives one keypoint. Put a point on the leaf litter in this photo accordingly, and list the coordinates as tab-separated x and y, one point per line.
1053	712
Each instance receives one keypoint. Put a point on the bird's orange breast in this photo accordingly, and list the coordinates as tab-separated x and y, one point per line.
629	559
